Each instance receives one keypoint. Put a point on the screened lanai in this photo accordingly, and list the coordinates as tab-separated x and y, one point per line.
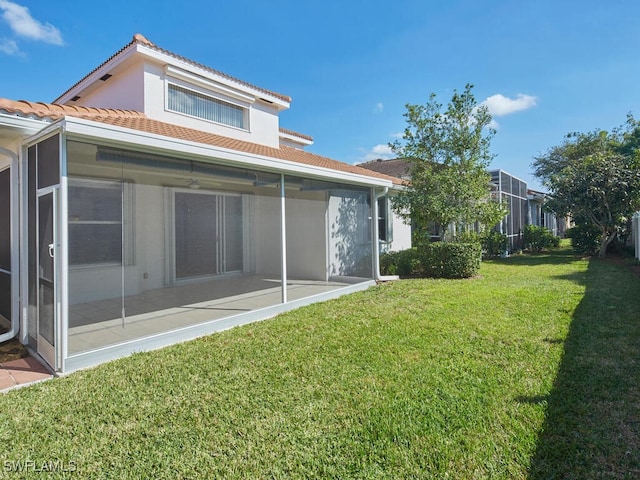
5	245
148	244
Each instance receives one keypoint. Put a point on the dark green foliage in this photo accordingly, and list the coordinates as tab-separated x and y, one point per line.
448	150
451	260
595	177
405	263
468	237
585	238
493	243
537	239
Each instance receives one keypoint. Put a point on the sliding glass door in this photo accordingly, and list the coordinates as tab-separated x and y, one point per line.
208	234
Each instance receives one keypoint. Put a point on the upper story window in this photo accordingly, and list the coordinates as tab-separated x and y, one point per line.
189	102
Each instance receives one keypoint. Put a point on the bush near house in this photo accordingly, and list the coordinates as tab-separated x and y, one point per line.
493	243
436	260
537	239
585	238
405	263
450	260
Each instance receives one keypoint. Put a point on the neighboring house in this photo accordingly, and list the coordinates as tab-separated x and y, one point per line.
396	167
538	216
524	205
512	192
158	200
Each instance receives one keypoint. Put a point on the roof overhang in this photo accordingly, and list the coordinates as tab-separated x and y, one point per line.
12	126
81	129
119	62
136	52
295	138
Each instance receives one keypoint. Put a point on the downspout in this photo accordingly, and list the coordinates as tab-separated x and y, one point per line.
14	329
376	235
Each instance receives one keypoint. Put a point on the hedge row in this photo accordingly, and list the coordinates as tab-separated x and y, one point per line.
438	260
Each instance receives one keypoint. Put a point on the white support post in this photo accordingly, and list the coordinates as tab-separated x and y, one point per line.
283	239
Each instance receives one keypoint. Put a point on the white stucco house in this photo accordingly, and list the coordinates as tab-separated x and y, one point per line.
158	200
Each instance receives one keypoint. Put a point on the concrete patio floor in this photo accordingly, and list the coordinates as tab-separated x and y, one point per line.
98	324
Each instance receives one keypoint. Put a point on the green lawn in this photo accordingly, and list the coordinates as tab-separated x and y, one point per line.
531	370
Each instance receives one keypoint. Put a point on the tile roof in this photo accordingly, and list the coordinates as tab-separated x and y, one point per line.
139	121
396	167
141	40
296	134
57	111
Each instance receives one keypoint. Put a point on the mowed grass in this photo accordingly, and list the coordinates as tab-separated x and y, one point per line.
529	371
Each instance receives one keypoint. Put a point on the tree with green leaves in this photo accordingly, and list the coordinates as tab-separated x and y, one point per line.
448	151
595	178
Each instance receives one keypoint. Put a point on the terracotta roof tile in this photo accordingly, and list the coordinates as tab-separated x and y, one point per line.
296	134
283	152
140	39
138	121
56	111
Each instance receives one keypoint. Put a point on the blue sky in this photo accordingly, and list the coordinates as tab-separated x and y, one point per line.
545	68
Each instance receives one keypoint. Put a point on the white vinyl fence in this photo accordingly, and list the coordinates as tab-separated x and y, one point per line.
636	234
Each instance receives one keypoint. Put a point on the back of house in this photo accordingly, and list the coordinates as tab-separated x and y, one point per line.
158	199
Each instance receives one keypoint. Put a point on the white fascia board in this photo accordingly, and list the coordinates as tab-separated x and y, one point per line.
48	130
296	139
22	125
101	132
194	79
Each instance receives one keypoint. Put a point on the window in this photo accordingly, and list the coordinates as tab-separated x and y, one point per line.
189	102
96	213
385	224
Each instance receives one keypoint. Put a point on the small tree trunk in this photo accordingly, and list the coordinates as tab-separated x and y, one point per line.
606	239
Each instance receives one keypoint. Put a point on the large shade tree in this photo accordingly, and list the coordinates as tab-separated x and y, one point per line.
448	151
595	178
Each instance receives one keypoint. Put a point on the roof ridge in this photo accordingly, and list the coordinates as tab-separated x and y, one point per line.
139	39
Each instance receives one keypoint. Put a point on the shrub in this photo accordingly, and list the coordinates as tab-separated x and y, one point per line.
538	238
451	260
405	263
585	238
494	243
468	237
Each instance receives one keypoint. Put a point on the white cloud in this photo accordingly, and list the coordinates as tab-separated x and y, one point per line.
499	105
382	150
24	25
378	108
8	46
